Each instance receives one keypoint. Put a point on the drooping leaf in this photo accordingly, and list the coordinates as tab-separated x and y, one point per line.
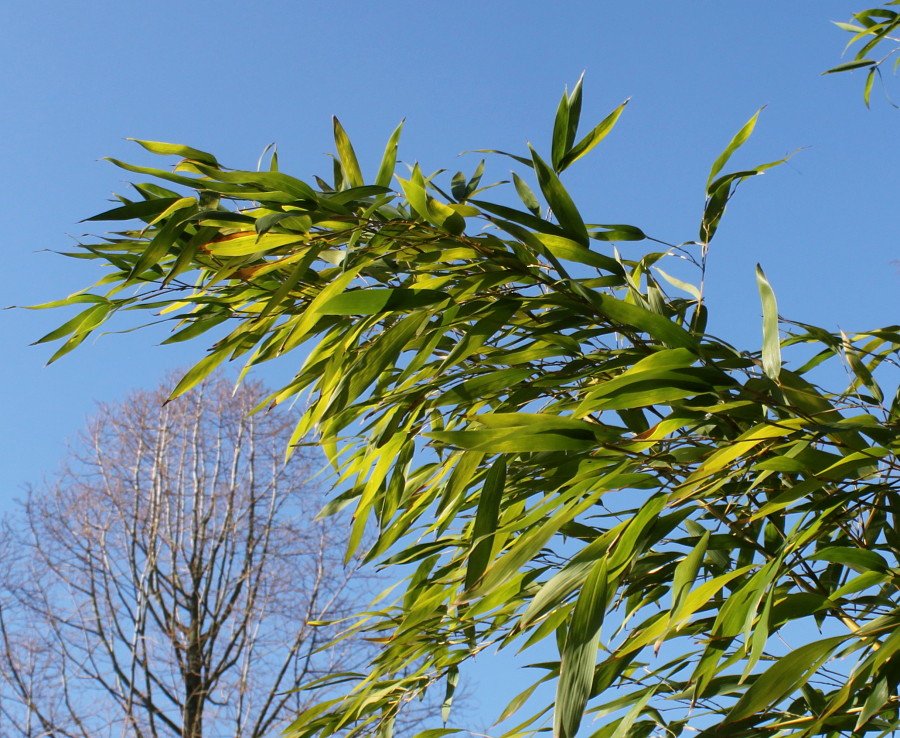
579	653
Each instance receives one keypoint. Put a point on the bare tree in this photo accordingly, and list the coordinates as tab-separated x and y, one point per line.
169	581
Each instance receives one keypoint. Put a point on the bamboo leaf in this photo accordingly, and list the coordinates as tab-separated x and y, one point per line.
200	371
686	573
857	558
878	698
389	159
771	351
560	131
739	139
786	675
847	66
560	201
596	135
579	653
346	155
526	195
140	209
186	152
486	521
380	300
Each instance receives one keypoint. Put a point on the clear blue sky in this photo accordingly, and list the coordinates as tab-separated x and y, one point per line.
232	77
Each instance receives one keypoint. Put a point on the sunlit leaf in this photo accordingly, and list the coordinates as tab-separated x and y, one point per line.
771	350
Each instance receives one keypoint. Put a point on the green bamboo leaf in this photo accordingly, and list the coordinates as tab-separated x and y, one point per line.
529	220
867	88
141	209
76	299
346	155
68	346
684	286
271	183
161	245
847	66
559	200
79	323
634	392
574	112
686	574
197	327
526	195
186	152
597	134
560	131
200	371
566	248
484	385
520	159
416	193
739	139
756	635
361	195
452	682
578	656
863	375
462	189
625	535
849	27
859	559
518	440
380	300
516	703
486	521
623	729
475	179
426	207
878	698
661	328
389	159
786	675
618	232
858	584
458	186
771	351
435	732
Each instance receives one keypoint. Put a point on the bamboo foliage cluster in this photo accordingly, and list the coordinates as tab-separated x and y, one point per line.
543	430
872	31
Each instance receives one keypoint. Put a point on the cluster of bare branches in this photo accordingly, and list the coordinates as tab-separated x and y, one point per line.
171	580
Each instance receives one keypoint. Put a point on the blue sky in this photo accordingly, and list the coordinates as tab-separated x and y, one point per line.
231	77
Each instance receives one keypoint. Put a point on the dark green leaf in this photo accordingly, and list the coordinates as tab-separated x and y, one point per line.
599	132
486	521
579	653
787	674
847	66
380	300
559	200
